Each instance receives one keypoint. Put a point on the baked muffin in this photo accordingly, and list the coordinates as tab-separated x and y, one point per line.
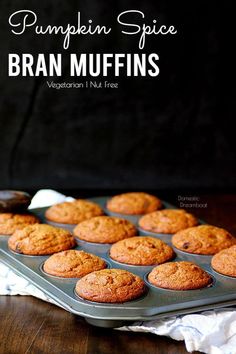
73	212
10	222
179	276
224	262
41	239
203	239
104	229
143	251
73	264
134	203
110	285
167	221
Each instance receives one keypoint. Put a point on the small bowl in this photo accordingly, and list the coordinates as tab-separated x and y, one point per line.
14	201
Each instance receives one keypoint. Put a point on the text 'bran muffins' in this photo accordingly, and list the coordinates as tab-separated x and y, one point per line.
224	262
104	229
203	239
73	212
10	222
179	276
41	239
73	264
167	221
111	286
134	203
142	251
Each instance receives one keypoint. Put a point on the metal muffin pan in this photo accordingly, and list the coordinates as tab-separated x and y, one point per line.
156	303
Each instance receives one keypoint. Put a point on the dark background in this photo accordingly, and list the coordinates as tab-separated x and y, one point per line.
172	132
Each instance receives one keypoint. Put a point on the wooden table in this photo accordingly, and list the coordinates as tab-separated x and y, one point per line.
28	325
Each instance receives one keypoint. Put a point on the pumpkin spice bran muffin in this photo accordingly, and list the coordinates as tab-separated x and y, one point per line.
41	239
10	222
179	276
73	212
224	262
203	239
104	229
73	264
167	221
111	286
142	251
134	203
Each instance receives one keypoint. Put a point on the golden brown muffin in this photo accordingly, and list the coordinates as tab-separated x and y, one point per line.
73	264
104	229
73	212
224	262
179	276
142	251
167	221
134	203
10	222
110	285
41	239
203	239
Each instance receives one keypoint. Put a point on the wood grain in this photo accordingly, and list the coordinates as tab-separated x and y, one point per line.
29	325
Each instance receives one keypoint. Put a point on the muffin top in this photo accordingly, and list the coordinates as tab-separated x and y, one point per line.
141	251
134	203
10	222
110	285
73	264
179	276
104	229
224	262
41	239
73	212
167	221
203	239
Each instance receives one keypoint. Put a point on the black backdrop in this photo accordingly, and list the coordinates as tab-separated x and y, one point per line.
170	132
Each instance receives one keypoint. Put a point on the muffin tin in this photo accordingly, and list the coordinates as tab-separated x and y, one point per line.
155	304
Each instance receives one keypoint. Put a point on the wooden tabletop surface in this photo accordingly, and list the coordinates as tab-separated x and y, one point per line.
29	325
